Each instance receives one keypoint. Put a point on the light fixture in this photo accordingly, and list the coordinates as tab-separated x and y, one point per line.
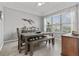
41	3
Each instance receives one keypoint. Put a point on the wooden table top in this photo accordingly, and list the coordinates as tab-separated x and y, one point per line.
36	34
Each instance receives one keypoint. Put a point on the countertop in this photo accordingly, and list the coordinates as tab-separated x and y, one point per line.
71	35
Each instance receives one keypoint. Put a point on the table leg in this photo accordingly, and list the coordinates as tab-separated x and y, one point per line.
53	41
49	41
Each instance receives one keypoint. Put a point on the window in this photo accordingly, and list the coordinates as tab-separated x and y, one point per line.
56	23
48	24
66	23
59	24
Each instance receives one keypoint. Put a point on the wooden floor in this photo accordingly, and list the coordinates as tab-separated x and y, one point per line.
10	49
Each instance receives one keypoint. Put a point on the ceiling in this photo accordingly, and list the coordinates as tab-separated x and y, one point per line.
31	7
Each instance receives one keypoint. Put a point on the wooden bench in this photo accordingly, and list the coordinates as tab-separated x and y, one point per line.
32	43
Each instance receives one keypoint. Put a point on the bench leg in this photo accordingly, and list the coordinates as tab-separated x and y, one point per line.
31	49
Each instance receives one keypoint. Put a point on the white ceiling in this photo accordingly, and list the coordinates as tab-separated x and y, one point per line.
31	7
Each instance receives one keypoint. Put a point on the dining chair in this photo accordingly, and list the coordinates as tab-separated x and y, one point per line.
52	40
49	41
20	40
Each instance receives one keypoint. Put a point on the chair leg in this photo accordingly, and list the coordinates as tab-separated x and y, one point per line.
26	47
46	42
19	46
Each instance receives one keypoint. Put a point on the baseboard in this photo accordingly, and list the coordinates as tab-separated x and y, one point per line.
9	41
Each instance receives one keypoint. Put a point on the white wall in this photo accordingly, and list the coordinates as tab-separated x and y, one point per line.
1	30
1	39
13	19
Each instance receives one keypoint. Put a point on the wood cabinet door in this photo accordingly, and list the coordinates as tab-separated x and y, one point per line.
69	46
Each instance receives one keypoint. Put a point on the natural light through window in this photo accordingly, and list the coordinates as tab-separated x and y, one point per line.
59	24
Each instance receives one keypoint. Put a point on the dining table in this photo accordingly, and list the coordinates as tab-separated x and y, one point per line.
27	37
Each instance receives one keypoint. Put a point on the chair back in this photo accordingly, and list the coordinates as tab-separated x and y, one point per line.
18	34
